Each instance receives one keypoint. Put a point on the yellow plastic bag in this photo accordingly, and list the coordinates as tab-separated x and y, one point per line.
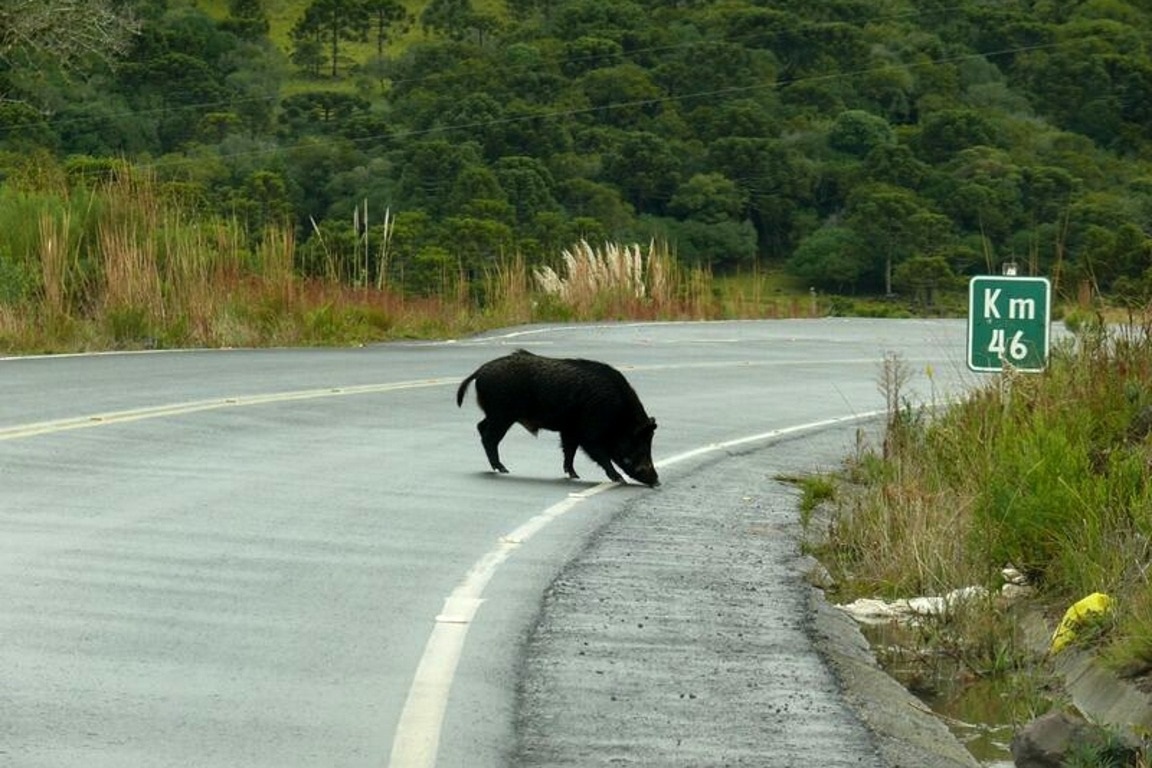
1095	604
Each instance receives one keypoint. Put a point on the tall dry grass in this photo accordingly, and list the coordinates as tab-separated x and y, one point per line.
55	255
126	261
624	280
124	264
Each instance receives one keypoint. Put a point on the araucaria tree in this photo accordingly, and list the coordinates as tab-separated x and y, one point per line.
382	15
331	22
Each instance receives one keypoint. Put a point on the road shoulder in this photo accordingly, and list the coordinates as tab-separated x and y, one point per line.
687	634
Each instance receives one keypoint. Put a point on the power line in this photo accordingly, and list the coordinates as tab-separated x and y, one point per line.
670	98
505	70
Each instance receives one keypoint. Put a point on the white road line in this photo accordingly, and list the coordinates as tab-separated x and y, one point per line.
416	741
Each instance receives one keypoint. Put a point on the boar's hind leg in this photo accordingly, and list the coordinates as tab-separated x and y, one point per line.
491	433
569	443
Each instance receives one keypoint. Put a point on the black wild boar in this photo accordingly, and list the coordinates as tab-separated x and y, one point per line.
589	403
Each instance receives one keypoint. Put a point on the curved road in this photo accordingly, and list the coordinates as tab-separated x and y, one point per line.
298	557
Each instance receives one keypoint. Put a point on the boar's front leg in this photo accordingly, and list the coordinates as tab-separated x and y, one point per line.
491	433
604	459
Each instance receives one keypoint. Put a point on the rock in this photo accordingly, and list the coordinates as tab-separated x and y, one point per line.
1045	742
1013	592
1014	575
1052	740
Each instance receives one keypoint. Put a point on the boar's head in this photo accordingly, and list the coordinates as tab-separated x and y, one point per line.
633	454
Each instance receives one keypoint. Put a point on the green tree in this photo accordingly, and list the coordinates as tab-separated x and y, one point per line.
333	22
721	245
623	21
829	258
730	67
451	18
745	118
623	96
319	112
981	191
262	200
857	132
476	243
924	276
177	86
476	192
1104	239
175	72
710	198
585	54
310	165
942	134
24	126
384	15
777	181
885	220
528	185
523	10
1046	192
593	201
428	171
308	55
646	168
246	19
257	73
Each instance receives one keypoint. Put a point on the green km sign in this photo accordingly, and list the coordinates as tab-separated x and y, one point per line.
1008	319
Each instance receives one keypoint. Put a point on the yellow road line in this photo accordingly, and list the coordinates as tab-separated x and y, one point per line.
21	431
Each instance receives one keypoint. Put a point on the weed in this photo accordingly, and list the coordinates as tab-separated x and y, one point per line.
1104	749
816	489
1050	473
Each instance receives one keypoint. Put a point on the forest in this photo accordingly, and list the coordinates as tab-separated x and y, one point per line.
876	147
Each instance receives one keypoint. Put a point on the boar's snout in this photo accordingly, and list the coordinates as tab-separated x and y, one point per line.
647	475
640	471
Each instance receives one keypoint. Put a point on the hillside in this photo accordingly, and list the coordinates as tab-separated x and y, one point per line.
881	148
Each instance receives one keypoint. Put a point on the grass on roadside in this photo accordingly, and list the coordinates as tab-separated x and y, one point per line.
1049	473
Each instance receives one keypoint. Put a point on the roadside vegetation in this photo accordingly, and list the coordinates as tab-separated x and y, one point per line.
122	260
1049	474
861	149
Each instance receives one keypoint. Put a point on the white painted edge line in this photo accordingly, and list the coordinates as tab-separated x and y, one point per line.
416	741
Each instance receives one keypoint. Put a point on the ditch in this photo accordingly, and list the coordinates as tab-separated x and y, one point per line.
982	712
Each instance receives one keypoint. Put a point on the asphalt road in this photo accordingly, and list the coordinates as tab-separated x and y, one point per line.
299	557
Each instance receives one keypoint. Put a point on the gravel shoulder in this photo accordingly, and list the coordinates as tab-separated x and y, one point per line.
687	634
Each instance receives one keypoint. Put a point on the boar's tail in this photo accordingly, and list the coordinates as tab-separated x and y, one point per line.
462	389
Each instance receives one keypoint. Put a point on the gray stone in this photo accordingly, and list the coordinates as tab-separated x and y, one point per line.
1046	741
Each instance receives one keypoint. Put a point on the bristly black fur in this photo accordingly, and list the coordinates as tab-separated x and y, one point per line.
589	403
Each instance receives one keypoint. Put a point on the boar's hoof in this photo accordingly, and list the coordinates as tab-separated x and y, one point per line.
500	468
